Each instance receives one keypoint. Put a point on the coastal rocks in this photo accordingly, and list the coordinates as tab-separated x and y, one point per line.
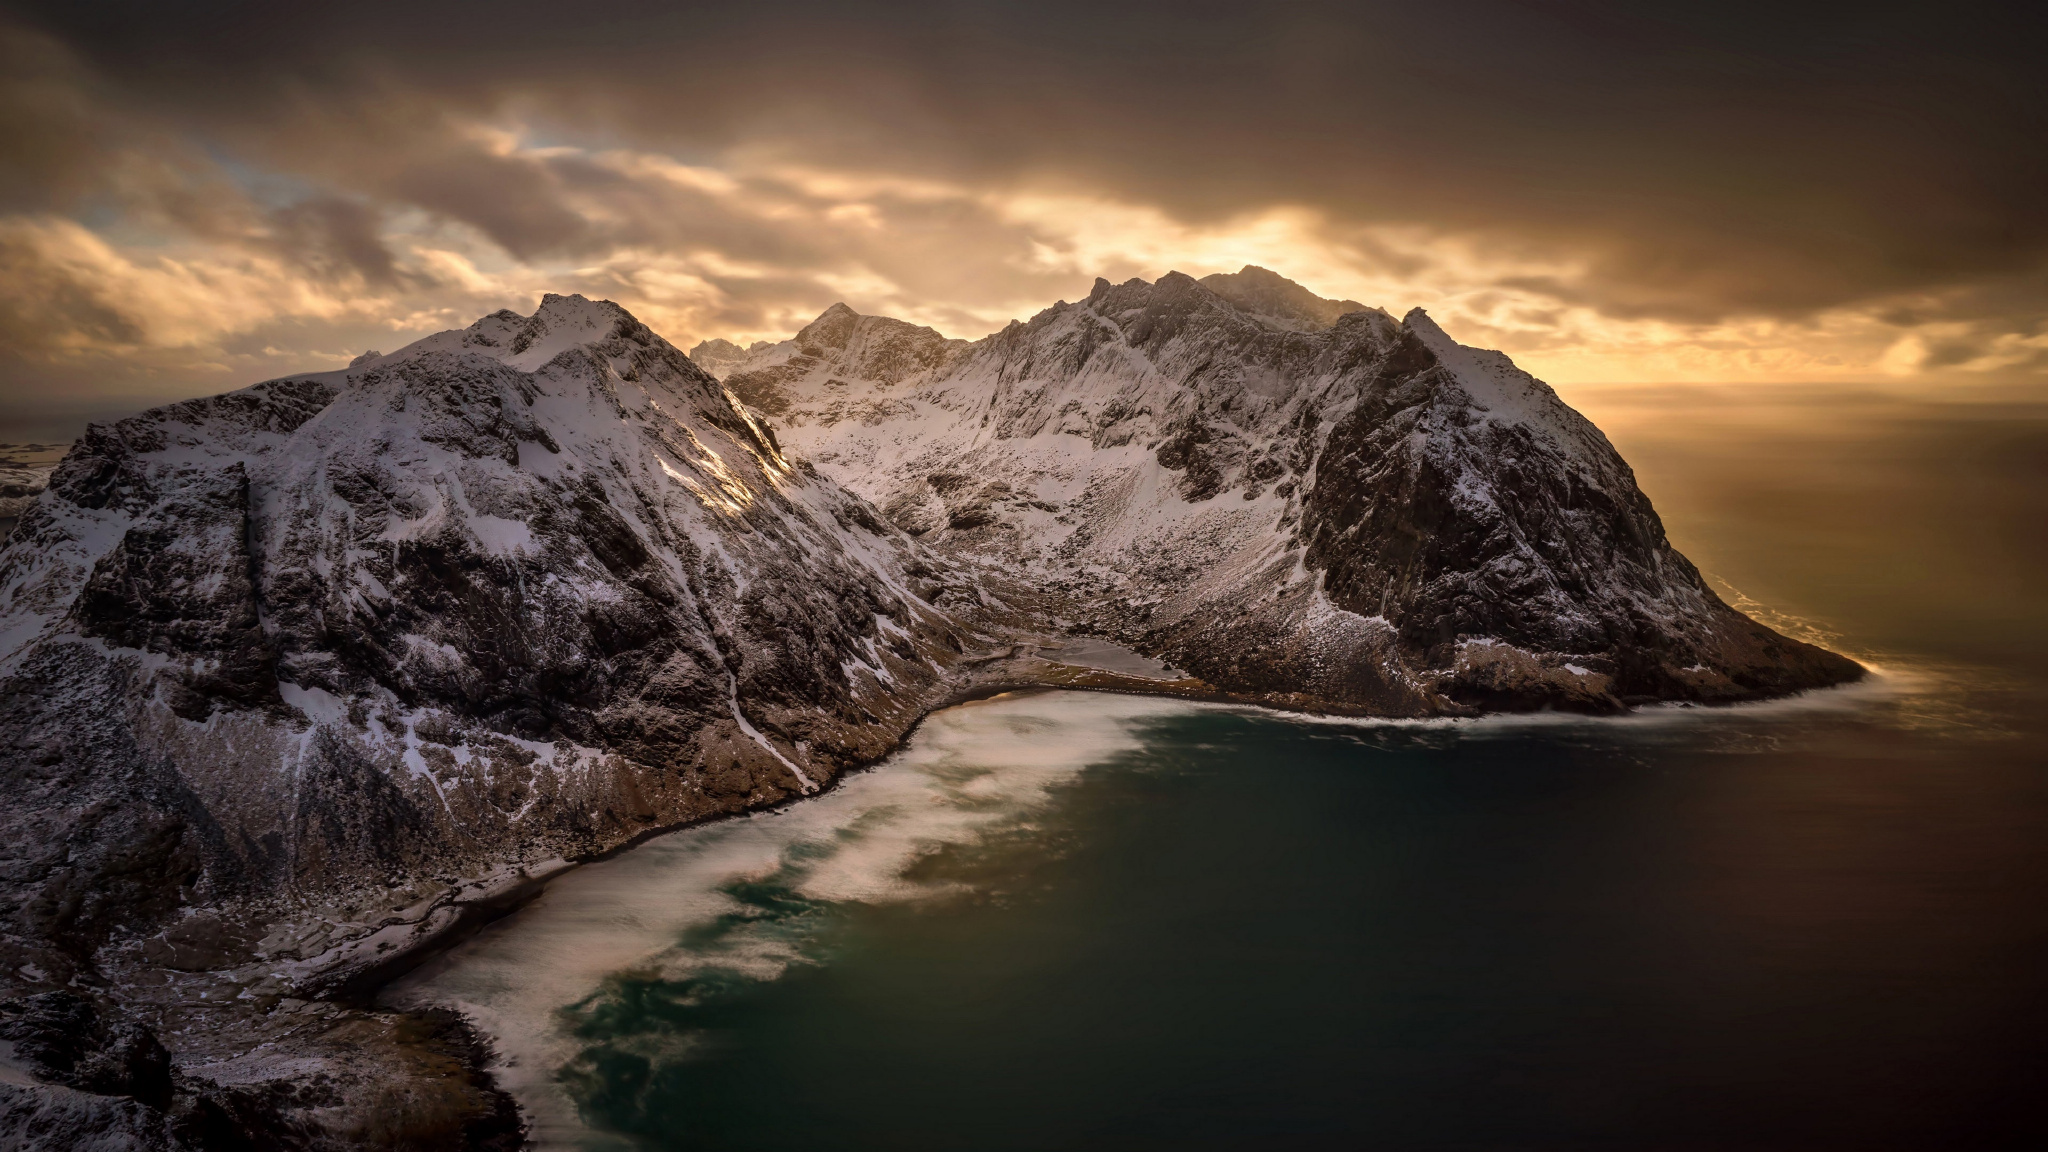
52	1116
78	1078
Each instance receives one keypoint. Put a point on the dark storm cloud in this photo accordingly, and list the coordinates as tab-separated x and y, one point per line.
1706	158
49	146
193	195
333	235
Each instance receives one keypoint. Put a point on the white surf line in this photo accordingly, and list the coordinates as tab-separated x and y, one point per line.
969	775
733	696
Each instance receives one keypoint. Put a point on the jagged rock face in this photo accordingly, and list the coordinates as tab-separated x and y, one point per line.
81	1074
63	1037
1292	497
516	591
1461	499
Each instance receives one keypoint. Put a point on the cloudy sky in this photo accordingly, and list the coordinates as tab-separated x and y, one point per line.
194	196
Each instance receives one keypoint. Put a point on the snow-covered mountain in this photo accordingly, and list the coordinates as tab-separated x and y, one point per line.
514	591
297	680
1298	499
296	677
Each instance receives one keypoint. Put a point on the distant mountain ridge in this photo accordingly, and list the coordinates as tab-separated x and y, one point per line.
718	356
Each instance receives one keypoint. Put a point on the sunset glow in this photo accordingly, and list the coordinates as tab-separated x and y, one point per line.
178	224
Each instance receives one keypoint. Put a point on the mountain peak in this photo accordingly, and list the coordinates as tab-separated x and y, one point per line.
1267	294
576	306
563	322
528	342
832	329
717	356
1417	321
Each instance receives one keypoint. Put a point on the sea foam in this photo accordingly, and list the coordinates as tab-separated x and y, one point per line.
739	898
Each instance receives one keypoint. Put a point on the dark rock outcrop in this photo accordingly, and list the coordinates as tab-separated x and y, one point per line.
65	1040
84	1075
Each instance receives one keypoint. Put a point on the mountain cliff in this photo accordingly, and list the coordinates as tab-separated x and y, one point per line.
1298	500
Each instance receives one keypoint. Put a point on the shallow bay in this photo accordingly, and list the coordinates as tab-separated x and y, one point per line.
1066	920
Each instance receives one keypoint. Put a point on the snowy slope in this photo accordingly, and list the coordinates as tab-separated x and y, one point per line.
1292	497
513	593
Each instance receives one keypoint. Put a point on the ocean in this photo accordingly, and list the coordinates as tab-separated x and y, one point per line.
1067	920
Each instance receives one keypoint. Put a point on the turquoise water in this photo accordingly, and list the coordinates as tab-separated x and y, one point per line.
1078	921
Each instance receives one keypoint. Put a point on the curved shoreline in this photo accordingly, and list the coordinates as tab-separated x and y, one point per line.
327	1012
1055	677
360	988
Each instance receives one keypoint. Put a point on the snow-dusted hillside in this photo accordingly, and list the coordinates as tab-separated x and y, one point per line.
332	657
527	586
1291	497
